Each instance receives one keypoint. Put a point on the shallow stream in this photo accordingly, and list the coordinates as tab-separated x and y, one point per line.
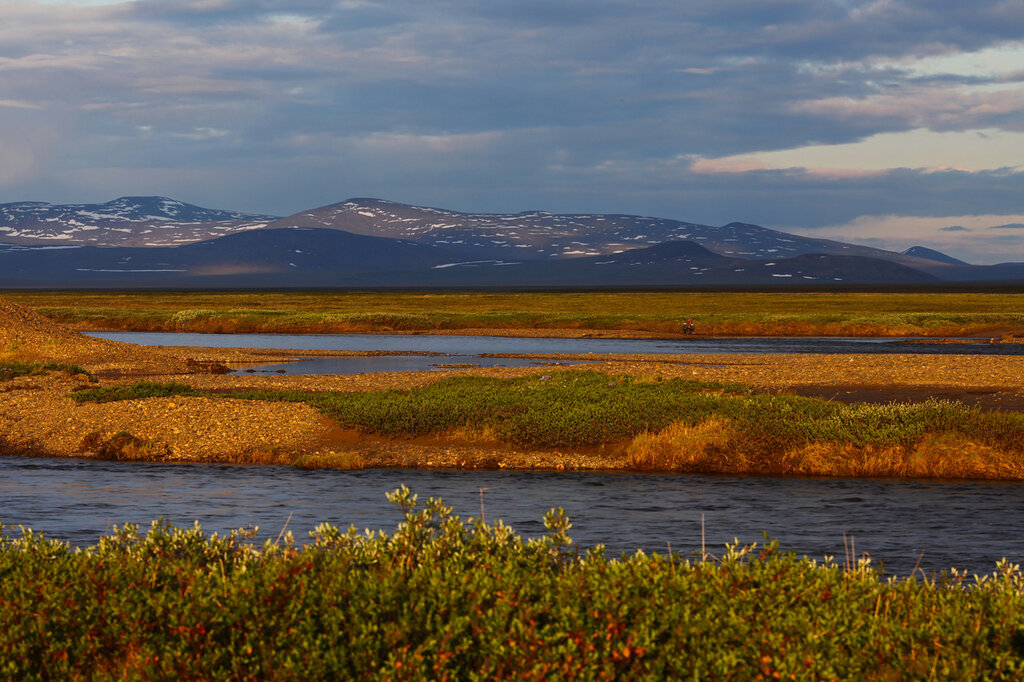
968	525
454	349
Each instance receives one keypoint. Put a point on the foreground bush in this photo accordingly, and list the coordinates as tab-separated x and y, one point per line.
445	599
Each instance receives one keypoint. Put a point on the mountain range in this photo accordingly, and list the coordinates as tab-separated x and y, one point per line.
161	242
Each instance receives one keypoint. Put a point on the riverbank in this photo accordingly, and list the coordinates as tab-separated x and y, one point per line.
38	416
637	314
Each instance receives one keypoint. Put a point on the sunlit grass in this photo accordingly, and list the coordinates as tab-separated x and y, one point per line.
726	313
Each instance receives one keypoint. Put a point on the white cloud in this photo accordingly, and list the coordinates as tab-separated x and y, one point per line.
399	143
18	104
989	62
83	3
981	239
969	151
933	106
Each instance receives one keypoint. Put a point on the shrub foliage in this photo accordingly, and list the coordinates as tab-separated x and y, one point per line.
11	369
443	598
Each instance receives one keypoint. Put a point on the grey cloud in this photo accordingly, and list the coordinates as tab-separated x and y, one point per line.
812	201
1008	226
361	18
224	11
954	228
1008	239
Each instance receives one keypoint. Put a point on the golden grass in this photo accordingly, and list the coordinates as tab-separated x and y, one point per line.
894	313
713	446
330	460
942	456
680	447
474	434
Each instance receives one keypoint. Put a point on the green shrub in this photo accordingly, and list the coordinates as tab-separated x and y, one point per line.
11	369
586	408
136	391
443	598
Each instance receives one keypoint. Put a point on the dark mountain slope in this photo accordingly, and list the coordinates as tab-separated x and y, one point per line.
313	249
286	256
675	264
923	252
304	257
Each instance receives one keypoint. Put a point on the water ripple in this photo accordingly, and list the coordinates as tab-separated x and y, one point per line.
963	524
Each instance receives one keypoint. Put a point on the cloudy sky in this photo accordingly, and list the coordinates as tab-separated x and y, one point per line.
884	122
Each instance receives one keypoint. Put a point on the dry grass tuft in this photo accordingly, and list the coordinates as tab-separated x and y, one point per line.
123	446
477	434
938	456
682	447
331	460
714	446
952	456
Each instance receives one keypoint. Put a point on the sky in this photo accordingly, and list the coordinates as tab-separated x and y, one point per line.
890	123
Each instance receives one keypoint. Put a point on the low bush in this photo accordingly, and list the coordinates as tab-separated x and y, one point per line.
443	598
11	369
136	391
563	409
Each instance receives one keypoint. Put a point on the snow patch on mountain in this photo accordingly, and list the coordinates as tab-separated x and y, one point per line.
126	221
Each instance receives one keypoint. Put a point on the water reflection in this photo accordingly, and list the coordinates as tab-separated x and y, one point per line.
393	363
455	349
474	345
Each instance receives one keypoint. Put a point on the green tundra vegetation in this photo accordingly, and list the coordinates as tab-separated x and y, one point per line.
443	598
773	313
11	369
672	425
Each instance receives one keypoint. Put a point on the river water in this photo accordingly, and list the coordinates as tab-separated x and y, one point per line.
454	349
936	524
968	525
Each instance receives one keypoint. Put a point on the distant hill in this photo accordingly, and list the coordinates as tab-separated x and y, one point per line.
248	258
680	264
127	221
539	235
161	242
925	253
312	257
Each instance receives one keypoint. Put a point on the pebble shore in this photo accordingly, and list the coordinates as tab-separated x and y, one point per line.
37	417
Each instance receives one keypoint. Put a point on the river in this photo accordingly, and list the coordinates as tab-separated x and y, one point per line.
941	524
455	349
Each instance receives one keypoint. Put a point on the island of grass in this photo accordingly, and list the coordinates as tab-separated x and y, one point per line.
658	424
